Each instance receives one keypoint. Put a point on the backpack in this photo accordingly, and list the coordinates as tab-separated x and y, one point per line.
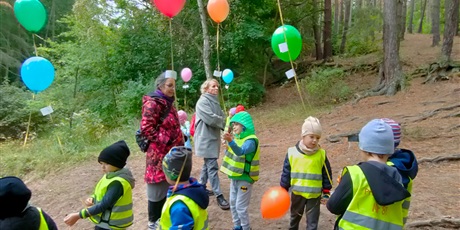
192	125
142	140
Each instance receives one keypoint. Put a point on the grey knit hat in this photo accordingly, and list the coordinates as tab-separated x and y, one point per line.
376	137
178	157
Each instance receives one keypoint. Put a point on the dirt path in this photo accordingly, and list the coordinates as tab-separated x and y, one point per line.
436	189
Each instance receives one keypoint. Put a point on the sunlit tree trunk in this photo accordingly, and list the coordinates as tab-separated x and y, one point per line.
206	47
435	10
451	18
411	17
420	25
336	16
401	14
316	31
327	35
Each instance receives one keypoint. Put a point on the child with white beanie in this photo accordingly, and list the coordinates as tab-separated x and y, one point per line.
370	194
307	171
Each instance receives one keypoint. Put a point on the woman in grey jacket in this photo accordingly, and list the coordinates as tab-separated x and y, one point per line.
209	122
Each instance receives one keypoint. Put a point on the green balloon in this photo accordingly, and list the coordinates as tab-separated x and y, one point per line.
31	14
294	42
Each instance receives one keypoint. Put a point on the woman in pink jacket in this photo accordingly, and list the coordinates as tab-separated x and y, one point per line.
160	124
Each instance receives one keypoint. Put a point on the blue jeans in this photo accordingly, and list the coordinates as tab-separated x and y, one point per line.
210	170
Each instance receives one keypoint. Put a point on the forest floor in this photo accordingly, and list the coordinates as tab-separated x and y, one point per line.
436	191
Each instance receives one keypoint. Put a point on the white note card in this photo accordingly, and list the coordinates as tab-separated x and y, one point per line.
290	73
47	110
217	73
171	74
283	47
226	86
185	86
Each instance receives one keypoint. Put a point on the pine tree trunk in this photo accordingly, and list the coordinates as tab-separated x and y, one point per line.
435	11
401	14
327	35
420	25
411	17
316	31
336	16
206	47
345	25
391	75
450	28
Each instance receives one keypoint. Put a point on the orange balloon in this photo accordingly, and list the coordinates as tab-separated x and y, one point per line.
218	10
275	203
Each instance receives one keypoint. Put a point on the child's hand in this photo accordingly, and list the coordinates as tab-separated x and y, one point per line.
227	136
72	218
89	202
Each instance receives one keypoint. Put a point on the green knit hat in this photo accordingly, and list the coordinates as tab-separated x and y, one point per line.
245	119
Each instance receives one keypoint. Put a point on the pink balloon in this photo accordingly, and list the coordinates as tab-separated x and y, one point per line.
186	74
169	8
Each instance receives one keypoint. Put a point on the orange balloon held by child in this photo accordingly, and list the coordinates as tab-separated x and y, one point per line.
275	203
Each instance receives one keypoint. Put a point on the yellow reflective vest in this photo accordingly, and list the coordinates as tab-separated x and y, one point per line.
364	212
306	172
240	166
406	202
43	224
121	215
200	216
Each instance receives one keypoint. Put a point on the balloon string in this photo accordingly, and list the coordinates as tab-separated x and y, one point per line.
290	59
170	34
35	46
222	93
185	99
217	47
28	124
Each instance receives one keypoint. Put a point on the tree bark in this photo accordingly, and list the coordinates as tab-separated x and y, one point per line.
435	11
401	14
327	33
411	17
206	47
316	31
420	25
450	28
391	75
336	16
345	25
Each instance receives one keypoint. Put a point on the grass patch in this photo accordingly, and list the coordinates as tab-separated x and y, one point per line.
44	155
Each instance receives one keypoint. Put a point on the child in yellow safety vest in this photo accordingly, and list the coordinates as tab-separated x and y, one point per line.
187	200
111	205
370	194
241	164
15	211
307	172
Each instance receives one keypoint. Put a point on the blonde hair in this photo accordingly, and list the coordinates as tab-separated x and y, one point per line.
206	84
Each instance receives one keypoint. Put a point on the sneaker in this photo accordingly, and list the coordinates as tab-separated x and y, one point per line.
237	228
153	225
222	202
210	193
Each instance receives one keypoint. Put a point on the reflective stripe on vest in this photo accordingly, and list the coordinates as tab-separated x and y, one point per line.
121	214
364	212
406	202
306	172
43	224
200	216
234	165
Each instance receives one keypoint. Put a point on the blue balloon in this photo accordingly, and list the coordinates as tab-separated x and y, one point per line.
227	76
37	73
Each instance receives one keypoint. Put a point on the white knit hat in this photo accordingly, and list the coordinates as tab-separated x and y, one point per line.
311	125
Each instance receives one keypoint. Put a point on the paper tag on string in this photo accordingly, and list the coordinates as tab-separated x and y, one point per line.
185	86
226	86
217	73
171	74
290	73
47	110
283	47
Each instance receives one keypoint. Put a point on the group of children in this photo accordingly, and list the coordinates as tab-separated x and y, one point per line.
374	194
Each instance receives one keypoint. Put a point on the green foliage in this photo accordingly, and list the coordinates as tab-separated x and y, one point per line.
361	38
244	90
327	86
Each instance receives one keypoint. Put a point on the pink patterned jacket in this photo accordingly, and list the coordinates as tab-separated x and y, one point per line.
162	135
